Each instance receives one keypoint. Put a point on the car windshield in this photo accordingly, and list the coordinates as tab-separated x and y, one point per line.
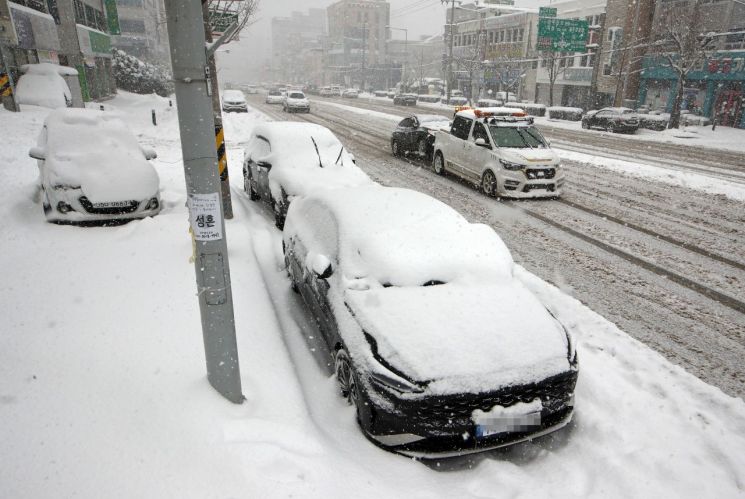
520	137
274	93
297	95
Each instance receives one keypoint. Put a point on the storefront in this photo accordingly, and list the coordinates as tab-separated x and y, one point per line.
716	87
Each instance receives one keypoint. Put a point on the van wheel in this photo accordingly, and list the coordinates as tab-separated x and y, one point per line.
439	164
489	183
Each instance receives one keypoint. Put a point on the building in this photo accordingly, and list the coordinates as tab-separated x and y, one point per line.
716	84
357	43
296	42
574	73
420	59
143	30
73	33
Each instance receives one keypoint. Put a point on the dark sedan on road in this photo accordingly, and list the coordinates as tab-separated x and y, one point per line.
612	119
415	134
405	99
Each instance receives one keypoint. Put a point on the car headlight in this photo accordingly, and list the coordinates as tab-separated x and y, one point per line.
510	166
386	374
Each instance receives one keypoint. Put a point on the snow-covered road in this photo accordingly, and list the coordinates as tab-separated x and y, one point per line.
103	390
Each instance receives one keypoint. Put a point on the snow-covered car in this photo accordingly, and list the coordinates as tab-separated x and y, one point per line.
500	150
296	102
454	101
350	93
438	346
612	119
91	168
416	134
284	160
43	85
274	97
251	89
234	101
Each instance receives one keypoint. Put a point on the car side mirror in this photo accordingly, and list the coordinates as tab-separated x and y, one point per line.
482	143
37	153
149	153
322	267
264	164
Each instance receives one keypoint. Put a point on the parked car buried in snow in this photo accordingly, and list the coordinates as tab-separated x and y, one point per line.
441	350
92	169
43	85
612	119
288	159
234	100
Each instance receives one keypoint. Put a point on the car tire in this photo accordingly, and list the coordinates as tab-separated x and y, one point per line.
252	194
346	379
489	183
45	203
585	125
609	128
395	148
439	164
280	212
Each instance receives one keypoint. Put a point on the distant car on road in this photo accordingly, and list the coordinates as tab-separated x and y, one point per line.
234	101
296	102
350	93
415	134
405	99
612	119
91	168
284	160
439	348
274	97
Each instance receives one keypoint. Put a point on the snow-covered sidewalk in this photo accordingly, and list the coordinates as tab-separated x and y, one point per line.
103	390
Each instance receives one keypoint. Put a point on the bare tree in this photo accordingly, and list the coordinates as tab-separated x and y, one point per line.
555	66
471	60
222	13
683	47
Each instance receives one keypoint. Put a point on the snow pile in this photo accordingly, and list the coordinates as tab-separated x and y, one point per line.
565	113
42	85
305	157
95	151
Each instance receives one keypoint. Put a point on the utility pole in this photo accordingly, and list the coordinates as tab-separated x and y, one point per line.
596	64
222	155
364	47
450	49
7	37
193	93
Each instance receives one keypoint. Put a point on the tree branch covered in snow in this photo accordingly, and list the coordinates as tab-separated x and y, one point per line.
223	13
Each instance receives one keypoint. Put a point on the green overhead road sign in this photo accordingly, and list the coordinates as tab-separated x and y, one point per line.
547	12
562	35
221	21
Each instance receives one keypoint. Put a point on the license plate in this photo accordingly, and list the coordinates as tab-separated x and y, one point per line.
516	423
112	204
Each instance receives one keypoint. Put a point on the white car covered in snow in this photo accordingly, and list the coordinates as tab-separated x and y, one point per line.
296	102
435	342
91	168
234	100
43	85
288	159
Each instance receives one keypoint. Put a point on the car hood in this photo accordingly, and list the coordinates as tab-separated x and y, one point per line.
290	100
436	125
528	156
462	338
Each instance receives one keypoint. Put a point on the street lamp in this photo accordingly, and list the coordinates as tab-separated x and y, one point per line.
406	52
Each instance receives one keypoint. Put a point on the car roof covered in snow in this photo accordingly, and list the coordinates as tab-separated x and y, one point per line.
304	157
403	237
235	95
48	68
96	151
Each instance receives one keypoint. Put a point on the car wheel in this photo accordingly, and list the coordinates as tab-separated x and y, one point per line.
609	128
252	194
45	203
395	149
345	377
439	164
489	183
585	125
421	147
280	213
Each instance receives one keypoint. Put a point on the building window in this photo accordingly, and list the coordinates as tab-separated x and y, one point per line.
132	25
521	33
606	70
501	36
39	5
509	36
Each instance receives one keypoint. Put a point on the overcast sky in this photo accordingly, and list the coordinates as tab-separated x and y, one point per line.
420	17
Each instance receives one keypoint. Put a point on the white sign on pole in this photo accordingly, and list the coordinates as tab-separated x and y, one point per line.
205	216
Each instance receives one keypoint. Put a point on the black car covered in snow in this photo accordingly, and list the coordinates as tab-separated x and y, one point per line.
415	134
612	119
